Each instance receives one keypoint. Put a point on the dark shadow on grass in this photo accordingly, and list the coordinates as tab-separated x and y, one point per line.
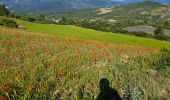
106	92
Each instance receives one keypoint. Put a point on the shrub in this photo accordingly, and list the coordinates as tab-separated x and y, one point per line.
159	31
142	34
8	23
3	10
162	37
163	64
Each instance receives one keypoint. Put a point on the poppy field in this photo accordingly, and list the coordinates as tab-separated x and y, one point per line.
42	67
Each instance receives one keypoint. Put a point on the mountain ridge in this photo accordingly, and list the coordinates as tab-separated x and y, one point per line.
41	6
56	5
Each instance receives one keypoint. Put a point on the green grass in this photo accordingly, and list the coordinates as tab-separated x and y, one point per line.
88	34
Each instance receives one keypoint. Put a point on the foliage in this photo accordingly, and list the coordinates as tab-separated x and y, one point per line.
3	10
142	34
109	26
159	31
162	37
8	23
166	25
12	14
163	64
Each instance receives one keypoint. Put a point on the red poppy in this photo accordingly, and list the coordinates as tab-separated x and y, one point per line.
63	74
90	85
110	59
57	63
94	59
1	62
3	98
58	76
6	88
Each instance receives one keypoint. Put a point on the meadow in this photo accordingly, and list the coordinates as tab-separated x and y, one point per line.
88	34
47	67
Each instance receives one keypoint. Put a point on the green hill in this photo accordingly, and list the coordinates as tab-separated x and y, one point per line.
142	10
88	34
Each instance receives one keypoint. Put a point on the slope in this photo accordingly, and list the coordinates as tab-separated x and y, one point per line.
88	34
143	10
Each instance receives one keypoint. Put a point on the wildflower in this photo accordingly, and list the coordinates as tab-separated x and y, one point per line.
125	58
94	59
118	53
63	74
3	98
69	74
57	63
58	76
1	62
90	85
6	88
31	86
110	59
81	63
41	86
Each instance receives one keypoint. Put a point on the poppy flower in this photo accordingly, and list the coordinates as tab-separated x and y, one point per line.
90	85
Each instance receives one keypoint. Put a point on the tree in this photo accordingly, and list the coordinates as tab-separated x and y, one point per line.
166	23
3	10
40	17
12	14
159	31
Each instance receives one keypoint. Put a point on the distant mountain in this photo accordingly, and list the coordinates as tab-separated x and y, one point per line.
56	5
134	1
40	6
141	10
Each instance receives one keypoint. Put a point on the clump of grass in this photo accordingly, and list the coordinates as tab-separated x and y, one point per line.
163	63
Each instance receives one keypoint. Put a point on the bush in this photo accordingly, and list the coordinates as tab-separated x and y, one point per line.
3	10
8	23
30	19
163	64
159	31
142	34
162	37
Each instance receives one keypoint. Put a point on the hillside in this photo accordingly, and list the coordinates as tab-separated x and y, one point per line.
147	10
38	66
82	33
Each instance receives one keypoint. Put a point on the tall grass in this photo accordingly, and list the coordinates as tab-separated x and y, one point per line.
47	67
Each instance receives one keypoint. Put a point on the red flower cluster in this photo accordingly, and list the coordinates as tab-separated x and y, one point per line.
111	59
6	88
1	62
57	63
63	74
90	85
94	59
3	98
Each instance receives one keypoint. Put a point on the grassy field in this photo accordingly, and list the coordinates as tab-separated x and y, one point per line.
88	34
59	62
42	67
